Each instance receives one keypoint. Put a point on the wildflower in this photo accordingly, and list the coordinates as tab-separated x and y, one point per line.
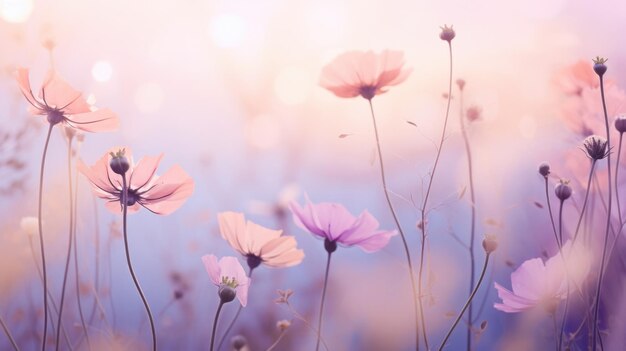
333	223
596	147
230	278
283	296
537	284
490	243
599	65
447	33
283	325
575	78
61	103
259	244
620	123
367	74
158	194
563	190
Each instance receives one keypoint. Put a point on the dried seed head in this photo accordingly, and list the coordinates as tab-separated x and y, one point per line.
562	190
596	147
620	123
599	65
119	163
544	169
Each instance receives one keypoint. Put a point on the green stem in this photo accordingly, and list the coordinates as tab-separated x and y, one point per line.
130	265
469	301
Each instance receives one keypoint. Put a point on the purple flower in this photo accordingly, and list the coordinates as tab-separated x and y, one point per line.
228	274
333	222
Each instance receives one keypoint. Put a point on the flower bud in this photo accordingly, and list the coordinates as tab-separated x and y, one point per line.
29	225
283	325
596	147
238	342
473	113
226	293
119	163
544	169
620	123
599	65
490	243
460	83
562	190
447	33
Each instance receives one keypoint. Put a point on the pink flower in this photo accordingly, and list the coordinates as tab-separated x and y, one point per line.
228	272
158	194
259	244
333	222
574	78
367	74
63	104
537	284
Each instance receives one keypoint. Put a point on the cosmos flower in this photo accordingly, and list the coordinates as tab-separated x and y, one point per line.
259	244
573	79
61	103
158	194
367	74
537	284
333	222
228	273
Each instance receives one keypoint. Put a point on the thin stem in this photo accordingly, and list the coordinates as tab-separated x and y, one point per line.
560	241
69	244
416	296
130	265
77	280
300	317
582	211
232	323
556	237
41	241
8	333
97	257
560	336
608	219
468	151
619	207
217	316
556	339
280	337
319	322
426	196
469	301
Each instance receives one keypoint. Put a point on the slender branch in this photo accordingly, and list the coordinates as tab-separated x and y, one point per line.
560	335
8	333
130	266
608	219
41	241
232	323
319	323
280	337
468	151
69	244
416	296
217	316
582	211
556	339
556	237
96	257
424	205
469	301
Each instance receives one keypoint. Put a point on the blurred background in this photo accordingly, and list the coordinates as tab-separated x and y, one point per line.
228	90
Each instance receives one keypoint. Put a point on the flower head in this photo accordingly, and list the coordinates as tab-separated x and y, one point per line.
544	169
599	65
333	222
228	275
596	147
490	243
473	113
61	103
563	190
537	284
447	33
258	244
158	194
367	74
620	123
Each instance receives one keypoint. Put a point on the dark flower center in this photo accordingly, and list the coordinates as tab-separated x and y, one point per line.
54	116
131	197
368	91
253	261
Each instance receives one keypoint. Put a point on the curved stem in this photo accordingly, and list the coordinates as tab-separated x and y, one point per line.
416	296
582	211
556	237
319	323
69	244
608	219
130	265
41	241
8	333
232	323
560	241
280	337
77	280
426	196
469	301
97	258
468	151
217	316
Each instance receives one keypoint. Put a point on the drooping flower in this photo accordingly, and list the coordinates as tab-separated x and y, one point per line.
257	243
537	284
334	223
228	275
158	194
367	74
61	103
